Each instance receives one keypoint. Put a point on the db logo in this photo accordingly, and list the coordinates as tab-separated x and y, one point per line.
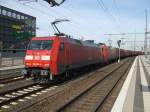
37	57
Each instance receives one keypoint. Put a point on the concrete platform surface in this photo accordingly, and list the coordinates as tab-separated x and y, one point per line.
135	93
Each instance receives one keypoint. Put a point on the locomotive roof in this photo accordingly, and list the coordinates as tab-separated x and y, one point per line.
72	40
44	38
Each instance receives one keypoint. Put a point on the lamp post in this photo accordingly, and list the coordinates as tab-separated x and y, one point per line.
119	43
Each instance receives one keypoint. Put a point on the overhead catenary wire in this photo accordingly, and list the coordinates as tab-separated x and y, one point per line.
117	13
105	9
72	12
43	12
33	8
117	9
102	5
74	22
92	33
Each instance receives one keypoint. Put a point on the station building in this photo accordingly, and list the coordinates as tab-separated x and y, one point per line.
16	29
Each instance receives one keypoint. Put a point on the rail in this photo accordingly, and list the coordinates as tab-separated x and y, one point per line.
93	97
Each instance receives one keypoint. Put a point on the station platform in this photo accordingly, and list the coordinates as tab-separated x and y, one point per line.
135	92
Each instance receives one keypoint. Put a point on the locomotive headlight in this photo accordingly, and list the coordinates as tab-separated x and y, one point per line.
28	57
47	58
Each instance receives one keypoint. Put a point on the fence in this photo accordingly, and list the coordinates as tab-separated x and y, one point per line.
6	62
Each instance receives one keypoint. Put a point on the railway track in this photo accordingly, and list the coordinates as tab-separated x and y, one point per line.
73	96
93	97
11	79
10	97
7	76
90	91
11	71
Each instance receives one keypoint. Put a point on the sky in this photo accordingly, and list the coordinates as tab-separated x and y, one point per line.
90	19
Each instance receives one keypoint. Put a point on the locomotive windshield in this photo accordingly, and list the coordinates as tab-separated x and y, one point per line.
40	45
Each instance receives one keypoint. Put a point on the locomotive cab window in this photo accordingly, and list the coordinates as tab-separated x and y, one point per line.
62	47
40	45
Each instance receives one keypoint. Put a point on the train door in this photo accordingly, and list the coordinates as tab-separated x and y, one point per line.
67	55
104	52
64	56
61	57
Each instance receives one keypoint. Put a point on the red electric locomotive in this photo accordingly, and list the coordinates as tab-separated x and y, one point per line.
49	57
